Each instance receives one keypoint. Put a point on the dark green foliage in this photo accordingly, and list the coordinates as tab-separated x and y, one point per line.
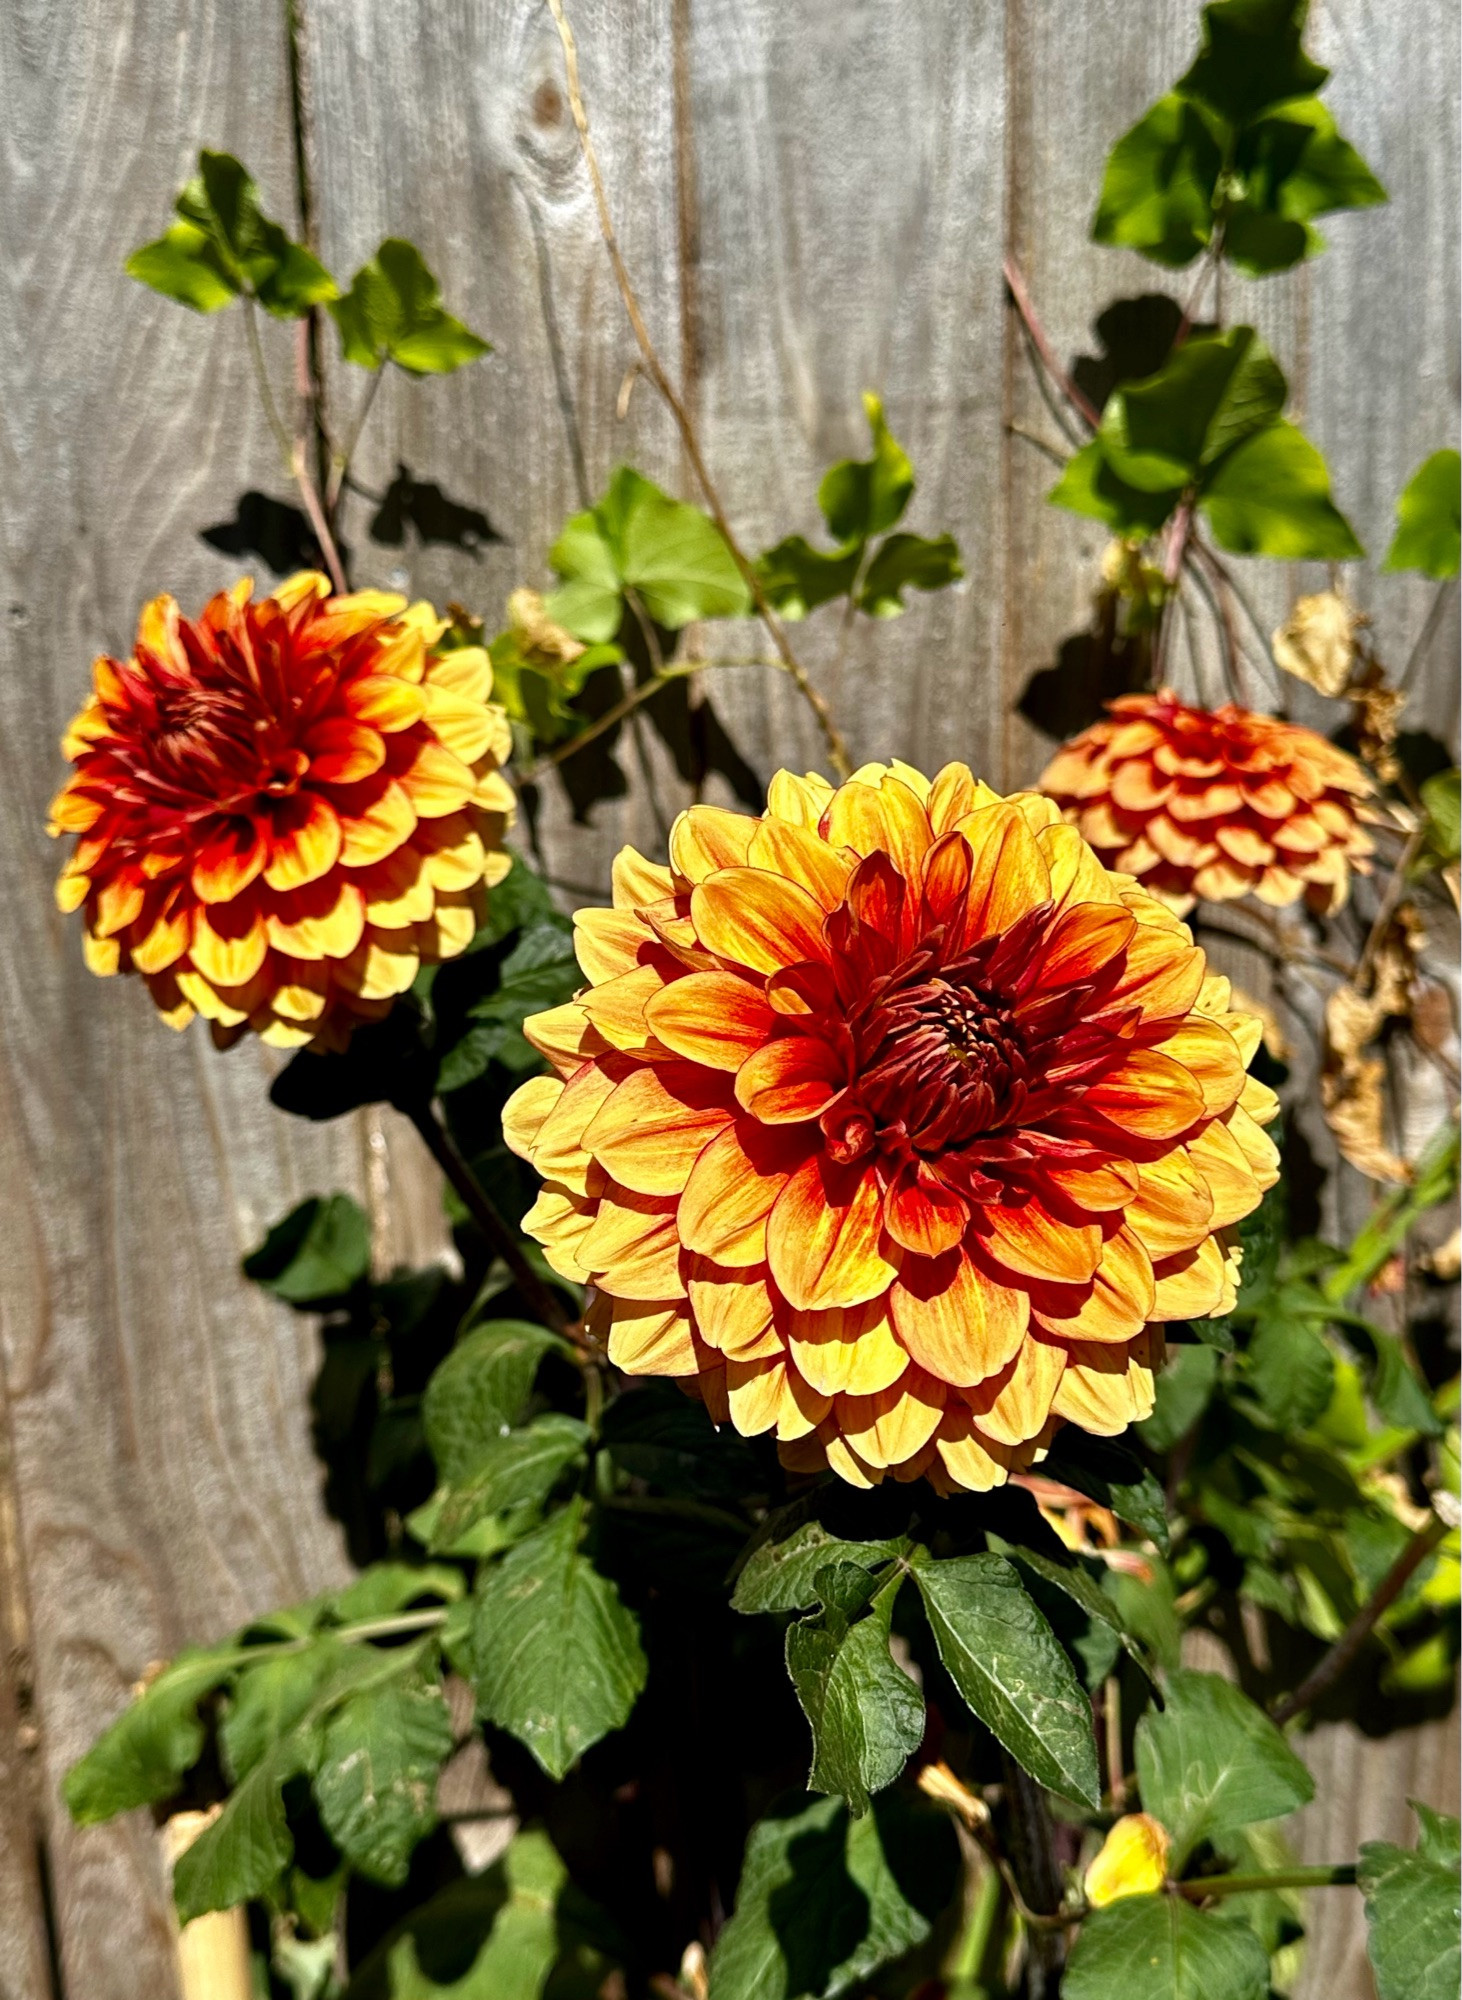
1413	1911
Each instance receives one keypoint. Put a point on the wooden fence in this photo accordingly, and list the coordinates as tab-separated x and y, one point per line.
815	199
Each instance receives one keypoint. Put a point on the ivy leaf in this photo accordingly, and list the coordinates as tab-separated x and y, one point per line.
782	1576
1159	184
556	1656
518	1470
1251	58
393	312
376	1779
907	562
1291	166
1413	1911
867	1716
1160	1948
825	1899
1271	497
143	1756
1184	1387
637	538
479	1391
1210	1762
862	497
224	245
1429	518
1008	1664
1089	486
797	578
1167	431
316	1255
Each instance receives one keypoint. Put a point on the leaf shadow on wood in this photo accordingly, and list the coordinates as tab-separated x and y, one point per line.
1091	668
419	509
276	532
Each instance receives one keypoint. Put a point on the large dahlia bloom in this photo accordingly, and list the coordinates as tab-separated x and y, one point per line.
284	808
1215	804
894	1124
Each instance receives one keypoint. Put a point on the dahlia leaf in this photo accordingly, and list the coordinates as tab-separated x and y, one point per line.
1008	1664
1412	1911
271	1698
557	1656
825	1899
316	1255
376	1779
1290	1369
1109	1473
518	1470
479	1392
907	562
862	497
393	312
1184	1387
243	1852
782	1576
1429	518
867	1716
1066	1574
1210	1761
1270	496
144	1754
1155	1947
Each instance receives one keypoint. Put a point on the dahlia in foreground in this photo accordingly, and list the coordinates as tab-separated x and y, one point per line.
284	808
1215	804
892	1123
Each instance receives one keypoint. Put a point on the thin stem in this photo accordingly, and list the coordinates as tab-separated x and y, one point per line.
1178	534
1331	1875
1052	451
299	466
837	749
641	692
1020	292
340	460
444	1150
1334	1663
261	376
1212	258
1424	637
1394	890
1112	1732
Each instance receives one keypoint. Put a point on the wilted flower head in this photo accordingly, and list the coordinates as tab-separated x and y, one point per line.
284	808
892	1123
1215	804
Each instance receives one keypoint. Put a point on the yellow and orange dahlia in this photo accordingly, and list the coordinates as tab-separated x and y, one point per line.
892	1123
284	808
1215	804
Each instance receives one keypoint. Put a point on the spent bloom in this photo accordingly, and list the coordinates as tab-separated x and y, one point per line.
1215	804
892	1123
284	808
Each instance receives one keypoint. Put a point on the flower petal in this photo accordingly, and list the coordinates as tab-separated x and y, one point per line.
954	1321
823	1237
653	1127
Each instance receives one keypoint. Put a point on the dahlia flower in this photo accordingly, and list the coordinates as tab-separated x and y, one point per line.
1215	804
283	808
894	1124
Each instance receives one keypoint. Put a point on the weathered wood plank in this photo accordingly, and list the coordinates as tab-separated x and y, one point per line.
24	1967
157	1407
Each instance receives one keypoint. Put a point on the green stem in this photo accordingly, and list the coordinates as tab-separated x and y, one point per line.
1336	1875
266	394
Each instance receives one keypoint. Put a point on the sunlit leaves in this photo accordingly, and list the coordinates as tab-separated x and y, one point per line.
1161	1948
1210	1762
782	1575
479	1392
671	555
861	499
1413	1911
223	246
145	1752
867	1716
393	312
377	1775
1429	518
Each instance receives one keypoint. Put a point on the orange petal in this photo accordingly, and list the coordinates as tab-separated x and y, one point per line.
1190	1286
845	1348
653	1127
1104	1390
608	942
754	1392
1227	1174
798	801
802	1408
632	1246
558	1149
803	857
616	1009
707	838
882	818
733	1310
823	1234
385	701
325	919
1077	876
563	1035
954	794
634	881
305	841
1116	1307
119	902
955	1322
893	1424
1029	1241
974	1461
789	1080
922	1214
466	727
436	782
1008	874
525	1112
1163	975
711	1017
229	943
228	861
1148	1094
1084	938
560	1221
342	751
649	1338
1173	1209
731	1191
758	920
1097	1190
374	820
383	964
1211	1056
1012	1407
947	869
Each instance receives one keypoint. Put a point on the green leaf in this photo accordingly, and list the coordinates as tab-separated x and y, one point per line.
825	1900
540	972
861	497
317	1254
1290	1369
1183	1390
1290	166
1429	518
1146	1607
270	1698
907	562
225	245
143	1756
1413	1911
1441	794
557	1657
1114	1476
1159	183
867	1716
797	578
479	1392
242	1853
1251	58
517	1470
1066	1574
1161	1948
376	1779
637	538
1172	428
1089	486
1397	1390
393	312
1271	497
1210	1762
1008	1664
388	1587
782	1576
